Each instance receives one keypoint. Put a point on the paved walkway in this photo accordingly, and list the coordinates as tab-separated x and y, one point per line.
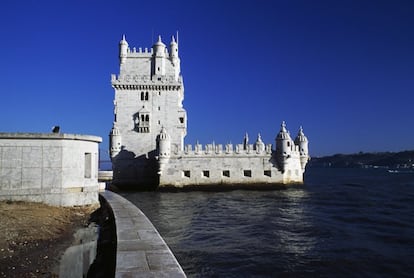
141	251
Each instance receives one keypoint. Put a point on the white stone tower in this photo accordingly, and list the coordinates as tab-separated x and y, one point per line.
149	92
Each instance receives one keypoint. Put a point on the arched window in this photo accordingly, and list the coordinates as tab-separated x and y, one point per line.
146	96
142	95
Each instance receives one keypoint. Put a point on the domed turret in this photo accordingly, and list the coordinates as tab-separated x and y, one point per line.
164	149
164	143
283	146
175	60
302	142
173	48
159	48
158	63
283	140
114	141
123	50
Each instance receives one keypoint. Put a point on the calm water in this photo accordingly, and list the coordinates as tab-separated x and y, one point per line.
342	223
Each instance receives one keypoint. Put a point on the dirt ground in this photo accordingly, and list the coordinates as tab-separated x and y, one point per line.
33	236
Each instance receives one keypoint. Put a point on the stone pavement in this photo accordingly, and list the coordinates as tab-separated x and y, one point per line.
141	251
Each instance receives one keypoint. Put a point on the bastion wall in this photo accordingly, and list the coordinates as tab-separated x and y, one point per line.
215	165
53	168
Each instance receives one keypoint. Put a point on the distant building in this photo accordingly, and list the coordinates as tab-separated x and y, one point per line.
147	138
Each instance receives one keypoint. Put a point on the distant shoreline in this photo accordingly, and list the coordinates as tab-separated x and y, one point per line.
387	160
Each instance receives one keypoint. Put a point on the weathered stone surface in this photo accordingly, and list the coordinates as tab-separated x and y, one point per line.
141	251
57	169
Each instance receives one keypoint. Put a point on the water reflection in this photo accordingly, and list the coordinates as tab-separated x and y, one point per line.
295	224
77	258
207	227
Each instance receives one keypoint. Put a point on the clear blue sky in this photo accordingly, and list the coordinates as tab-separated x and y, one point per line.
342	69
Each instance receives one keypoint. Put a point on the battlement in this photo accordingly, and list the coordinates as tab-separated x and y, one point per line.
211	150
145	82
134	50
221	150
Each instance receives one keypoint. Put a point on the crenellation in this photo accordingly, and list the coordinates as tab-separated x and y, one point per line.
213	149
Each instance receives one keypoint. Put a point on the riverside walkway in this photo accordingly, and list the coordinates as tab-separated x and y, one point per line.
141	251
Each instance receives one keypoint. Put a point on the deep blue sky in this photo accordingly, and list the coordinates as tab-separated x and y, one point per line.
342	69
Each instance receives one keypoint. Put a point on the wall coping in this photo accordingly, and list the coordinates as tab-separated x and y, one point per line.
49	136
140	248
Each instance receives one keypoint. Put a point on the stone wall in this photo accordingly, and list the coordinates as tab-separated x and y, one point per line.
56	169
226	169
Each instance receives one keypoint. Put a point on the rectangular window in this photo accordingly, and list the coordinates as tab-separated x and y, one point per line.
247	173
268	173
187	173
88	165
181	120
206	174
226	173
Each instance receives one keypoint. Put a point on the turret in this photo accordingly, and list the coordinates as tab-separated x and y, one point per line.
284	145
302	142
114	142
175	60
164	148
173	48
123	50
158	57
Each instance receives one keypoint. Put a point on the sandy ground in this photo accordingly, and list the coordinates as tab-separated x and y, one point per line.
33	237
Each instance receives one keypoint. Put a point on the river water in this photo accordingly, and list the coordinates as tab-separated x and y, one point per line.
341	223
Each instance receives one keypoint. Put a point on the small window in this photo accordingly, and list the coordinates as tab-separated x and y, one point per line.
181	120
187	173
159	108
88	165
226	173
206	174
142	95
267	173
159	93
288	143
247	173
146	96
